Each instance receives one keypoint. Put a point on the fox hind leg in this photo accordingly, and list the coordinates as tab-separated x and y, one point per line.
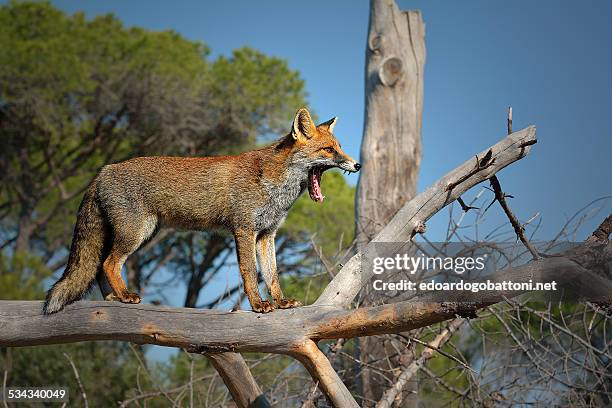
127	238
112	269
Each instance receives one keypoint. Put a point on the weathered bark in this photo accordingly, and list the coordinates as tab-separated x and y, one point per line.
391	145
285	331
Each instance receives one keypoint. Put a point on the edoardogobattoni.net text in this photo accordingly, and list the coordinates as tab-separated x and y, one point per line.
406	285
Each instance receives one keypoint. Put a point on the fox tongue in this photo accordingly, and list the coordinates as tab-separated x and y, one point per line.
314	185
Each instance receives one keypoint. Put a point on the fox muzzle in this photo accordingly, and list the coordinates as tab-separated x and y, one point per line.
350	165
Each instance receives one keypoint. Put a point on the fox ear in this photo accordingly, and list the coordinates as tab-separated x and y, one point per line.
330	124
303	126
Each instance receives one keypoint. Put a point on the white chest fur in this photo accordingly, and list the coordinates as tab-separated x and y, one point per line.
280	198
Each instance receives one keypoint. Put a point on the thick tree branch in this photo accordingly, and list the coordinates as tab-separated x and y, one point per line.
210	331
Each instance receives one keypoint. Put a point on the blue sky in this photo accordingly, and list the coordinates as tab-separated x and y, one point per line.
550	60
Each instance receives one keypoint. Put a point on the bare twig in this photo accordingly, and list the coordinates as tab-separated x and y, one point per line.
191	383
152	394
464	206
329	268
500	197
4	389
442	352
78	378
144	367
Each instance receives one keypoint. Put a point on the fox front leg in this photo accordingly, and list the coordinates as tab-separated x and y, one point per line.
266	253
245	249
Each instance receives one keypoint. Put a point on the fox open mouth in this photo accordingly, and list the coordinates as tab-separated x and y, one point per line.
314	183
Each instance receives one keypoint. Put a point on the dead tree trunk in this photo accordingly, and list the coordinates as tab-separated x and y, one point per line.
391	146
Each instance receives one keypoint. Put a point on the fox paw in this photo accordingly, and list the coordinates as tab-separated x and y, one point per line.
288	303
262	306
129	297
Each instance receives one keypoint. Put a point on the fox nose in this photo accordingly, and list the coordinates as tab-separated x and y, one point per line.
357	166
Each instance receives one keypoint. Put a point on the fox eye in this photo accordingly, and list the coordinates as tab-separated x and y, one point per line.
329	150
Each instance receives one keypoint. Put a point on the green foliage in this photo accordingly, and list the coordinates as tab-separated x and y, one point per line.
237	82
22	276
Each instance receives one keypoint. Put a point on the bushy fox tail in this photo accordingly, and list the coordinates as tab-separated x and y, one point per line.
85	257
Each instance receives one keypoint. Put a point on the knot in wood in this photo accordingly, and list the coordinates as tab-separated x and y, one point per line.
420	228
376	43
391	71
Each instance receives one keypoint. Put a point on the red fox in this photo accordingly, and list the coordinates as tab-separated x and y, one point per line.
247	194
